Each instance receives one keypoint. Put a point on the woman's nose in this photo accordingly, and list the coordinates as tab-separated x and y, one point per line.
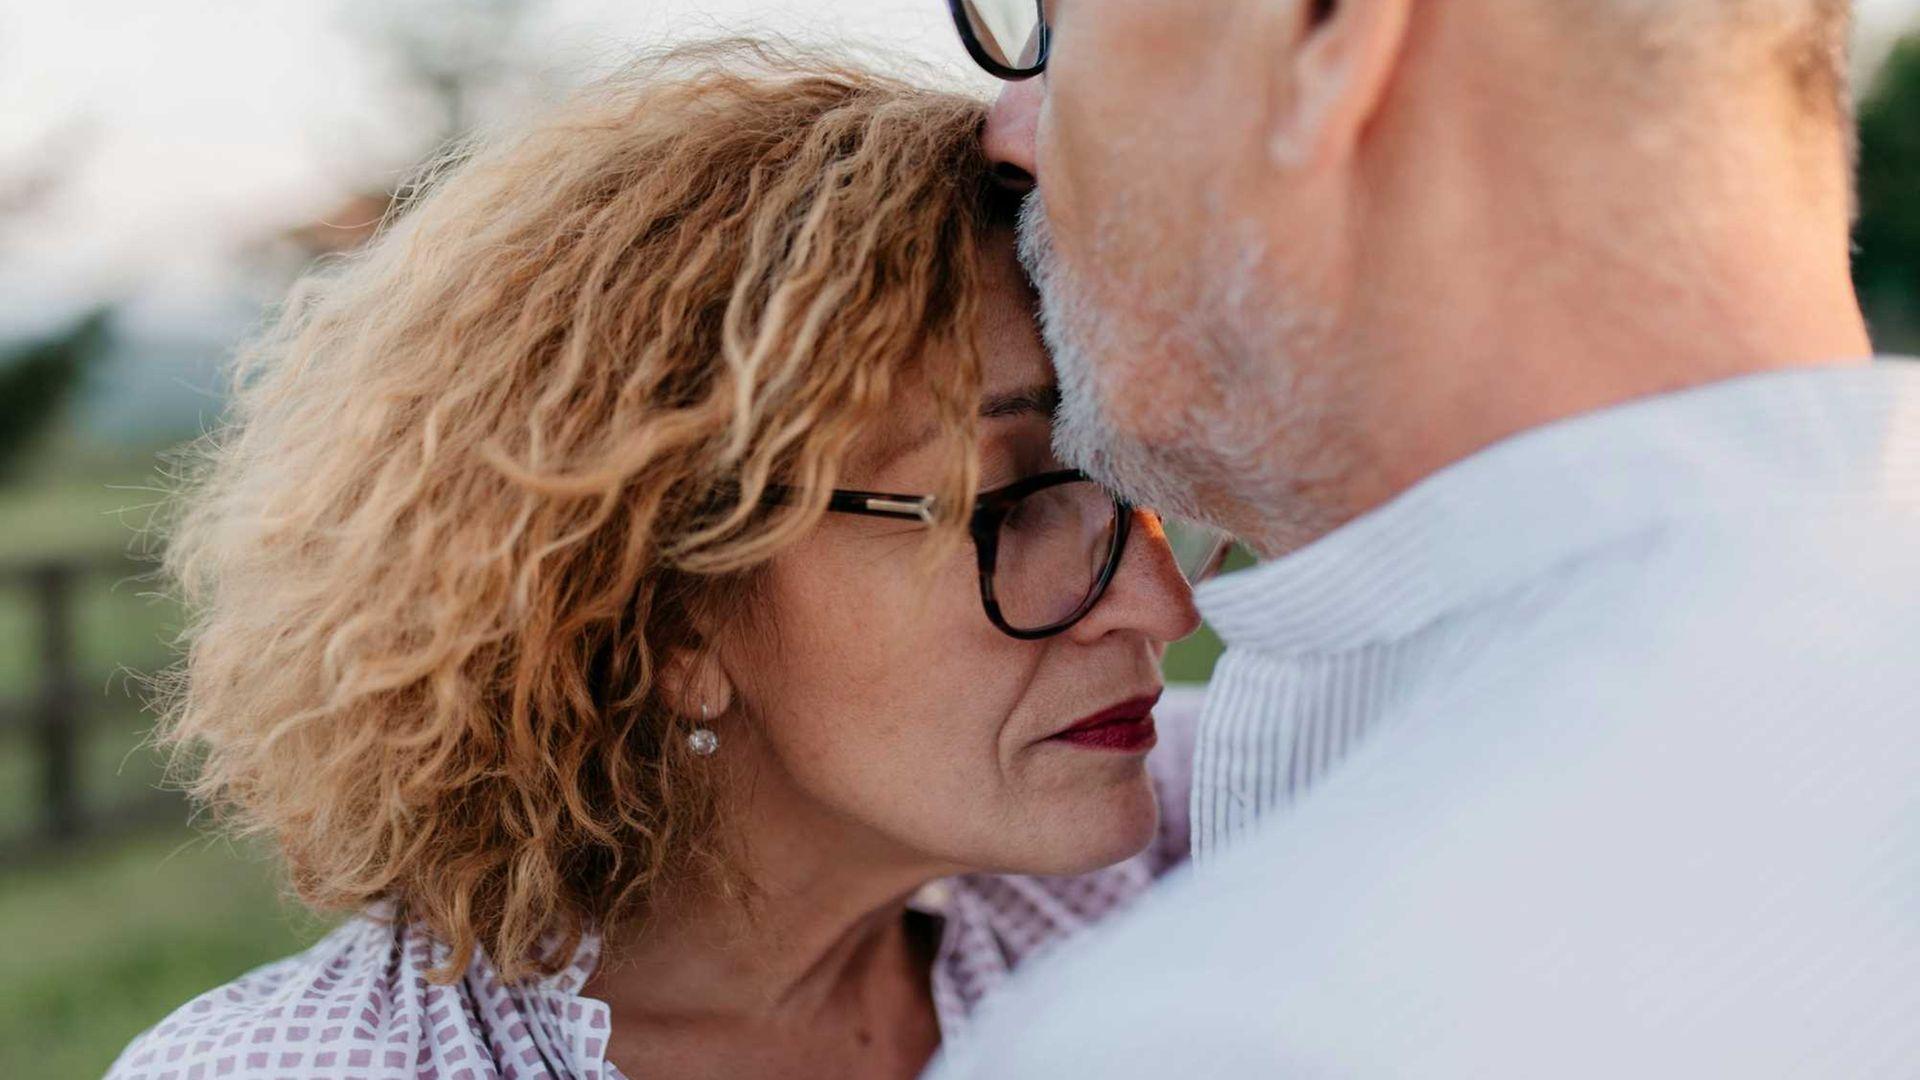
1148	594
1009	138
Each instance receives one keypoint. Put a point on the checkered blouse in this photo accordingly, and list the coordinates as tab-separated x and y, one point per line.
358	1006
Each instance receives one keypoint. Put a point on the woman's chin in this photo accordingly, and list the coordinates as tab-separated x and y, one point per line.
1095	830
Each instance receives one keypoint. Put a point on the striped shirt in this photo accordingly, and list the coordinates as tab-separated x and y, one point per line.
358	1005
1595	754
1325	645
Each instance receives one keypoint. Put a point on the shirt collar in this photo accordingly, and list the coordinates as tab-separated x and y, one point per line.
1545	497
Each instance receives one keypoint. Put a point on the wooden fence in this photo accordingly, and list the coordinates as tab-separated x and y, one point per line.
56	714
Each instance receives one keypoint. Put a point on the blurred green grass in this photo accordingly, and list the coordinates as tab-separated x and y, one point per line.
1192	660
105	942
75	512
110	937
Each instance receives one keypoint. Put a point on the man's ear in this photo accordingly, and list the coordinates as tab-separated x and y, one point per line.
692	684
1331	76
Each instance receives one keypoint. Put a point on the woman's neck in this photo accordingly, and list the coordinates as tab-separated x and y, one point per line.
826	921
715	957
809	984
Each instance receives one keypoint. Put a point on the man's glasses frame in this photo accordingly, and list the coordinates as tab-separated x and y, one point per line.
985	57
990	511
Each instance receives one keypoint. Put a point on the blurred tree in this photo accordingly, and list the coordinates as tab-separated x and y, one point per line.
1887	239
38	378
451	64
456	60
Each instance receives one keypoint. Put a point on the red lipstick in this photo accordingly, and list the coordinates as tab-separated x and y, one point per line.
1125	728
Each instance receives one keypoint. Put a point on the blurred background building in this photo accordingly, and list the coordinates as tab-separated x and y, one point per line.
165	172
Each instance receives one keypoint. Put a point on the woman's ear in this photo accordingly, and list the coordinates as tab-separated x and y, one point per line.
1332	73
694	686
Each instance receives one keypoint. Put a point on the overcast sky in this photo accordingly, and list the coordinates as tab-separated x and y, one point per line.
199	124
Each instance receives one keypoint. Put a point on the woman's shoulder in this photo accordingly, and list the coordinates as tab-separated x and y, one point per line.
357	1004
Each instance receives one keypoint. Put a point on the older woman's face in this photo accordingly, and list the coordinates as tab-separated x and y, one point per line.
880	704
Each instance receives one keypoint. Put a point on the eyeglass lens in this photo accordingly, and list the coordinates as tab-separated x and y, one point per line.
1055	545
1199	549
1010	31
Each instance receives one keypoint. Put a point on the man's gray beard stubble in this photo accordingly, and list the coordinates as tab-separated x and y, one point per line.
1237	448
1084	436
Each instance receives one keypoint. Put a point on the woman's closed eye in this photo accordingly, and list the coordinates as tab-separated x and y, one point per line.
1035	514
1019	452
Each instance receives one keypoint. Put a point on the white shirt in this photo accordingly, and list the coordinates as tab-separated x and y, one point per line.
1626	719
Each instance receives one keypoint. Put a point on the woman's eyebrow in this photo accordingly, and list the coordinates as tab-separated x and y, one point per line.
1040	399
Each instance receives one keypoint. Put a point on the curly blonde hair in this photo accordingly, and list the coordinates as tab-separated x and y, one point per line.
483	480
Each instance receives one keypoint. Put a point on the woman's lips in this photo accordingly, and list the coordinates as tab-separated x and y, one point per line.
1125	728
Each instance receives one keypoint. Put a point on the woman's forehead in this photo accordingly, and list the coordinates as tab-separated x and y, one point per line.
1016	377
1011	351
912	429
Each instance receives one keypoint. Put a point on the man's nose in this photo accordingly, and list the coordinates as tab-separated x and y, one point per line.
1009	138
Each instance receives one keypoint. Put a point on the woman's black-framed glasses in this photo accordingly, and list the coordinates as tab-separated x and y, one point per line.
1047	546
1009	38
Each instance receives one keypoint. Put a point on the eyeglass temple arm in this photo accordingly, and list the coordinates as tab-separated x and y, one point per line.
876	504
867	503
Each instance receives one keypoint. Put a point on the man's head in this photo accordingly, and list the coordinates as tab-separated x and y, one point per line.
1295	252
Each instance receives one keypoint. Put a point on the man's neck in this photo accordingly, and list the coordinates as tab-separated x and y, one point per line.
1542	375
1509	291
